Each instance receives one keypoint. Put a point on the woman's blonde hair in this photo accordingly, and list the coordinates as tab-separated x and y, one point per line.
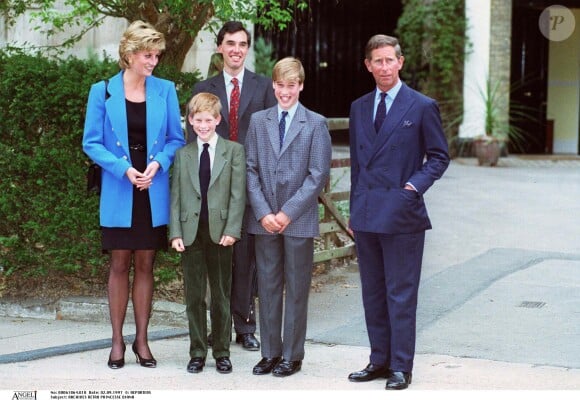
139	36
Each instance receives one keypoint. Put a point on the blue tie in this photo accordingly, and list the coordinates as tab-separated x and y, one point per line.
381	112
282	127
204	177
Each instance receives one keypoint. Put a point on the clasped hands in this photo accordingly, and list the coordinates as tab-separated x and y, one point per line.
143	180
225	241
275	223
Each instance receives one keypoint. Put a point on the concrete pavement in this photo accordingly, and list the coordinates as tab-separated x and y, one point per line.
499	306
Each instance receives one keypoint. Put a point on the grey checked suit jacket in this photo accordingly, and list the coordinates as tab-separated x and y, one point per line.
289	179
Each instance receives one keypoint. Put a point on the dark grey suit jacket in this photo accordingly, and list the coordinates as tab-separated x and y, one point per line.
257	94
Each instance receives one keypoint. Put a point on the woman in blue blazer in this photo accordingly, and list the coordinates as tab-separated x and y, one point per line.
132	130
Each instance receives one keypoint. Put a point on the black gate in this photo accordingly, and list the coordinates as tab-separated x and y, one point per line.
329	39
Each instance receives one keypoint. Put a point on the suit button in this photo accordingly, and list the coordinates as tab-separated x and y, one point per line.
151	157
124	157
118	144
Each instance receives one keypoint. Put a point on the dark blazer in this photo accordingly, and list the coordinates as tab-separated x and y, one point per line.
226	194
106	142
257	94
288	179
410	147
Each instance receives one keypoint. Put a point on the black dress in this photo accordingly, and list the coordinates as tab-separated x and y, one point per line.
141	235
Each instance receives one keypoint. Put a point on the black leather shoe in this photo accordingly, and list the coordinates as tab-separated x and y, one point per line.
266	365
116	364
398	380
248	341
223	365
286	368
370	373
144	362
195	365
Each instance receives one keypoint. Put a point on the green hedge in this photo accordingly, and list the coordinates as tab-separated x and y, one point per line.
48	223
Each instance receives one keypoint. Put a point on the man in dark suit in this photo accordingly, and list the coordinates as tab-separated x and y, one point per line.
398	149
254	93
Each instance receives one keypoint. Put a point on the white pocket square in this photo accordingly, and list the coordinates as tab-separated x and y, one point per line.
407	123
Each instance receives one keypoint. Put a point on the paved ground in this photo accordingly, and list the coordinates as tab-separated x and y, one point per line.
499	307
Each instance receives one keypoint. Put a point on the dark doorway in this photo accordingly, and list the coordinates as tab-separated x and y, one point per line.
329	39
529	71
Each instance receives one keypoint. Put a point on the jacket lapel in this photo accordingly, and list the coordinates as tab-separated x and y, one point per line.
398	109
117	110
219	160
295	127
272	126
367	117
248	89
219	87
156	109
192	164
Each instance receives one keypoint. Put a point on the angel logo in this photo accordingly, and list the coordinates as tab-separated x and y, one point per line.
24	395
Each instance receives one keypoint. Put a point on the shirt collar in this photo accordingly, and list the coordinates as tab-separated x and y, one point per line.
228	77
212	142
291	112
391	92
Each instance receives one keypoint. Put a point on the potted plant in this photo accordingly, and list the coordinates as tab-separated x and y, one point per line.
488	146
499	126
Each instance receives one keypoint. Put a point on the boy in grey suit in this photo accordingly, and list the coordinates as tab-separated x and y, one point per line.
288	163
208	198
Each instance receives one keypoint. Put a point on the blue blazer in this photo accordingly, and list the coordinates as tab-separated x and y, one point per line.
106	142
410	147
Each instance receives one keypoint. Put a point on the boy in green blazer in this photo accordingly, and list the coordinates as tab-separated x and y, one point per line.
208	199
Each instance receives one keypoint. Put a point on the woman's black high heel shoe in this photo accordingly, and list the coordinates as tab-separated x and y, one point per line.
144	362
116	364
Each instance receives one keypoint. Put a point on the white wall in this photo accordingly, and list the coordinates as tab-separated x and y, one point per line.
100	41
564	91
476	67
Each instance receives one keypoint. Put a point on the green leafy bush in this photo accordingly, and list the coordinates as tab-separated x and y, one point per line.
48	223
434	43
264	57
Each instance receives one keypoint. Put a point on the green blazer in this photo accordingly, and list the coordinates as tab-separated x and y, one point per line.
226	195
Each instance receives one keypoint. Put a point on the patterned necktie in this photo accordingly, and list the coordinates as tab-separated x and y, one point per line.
381	112
282	127
234	105
204	177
